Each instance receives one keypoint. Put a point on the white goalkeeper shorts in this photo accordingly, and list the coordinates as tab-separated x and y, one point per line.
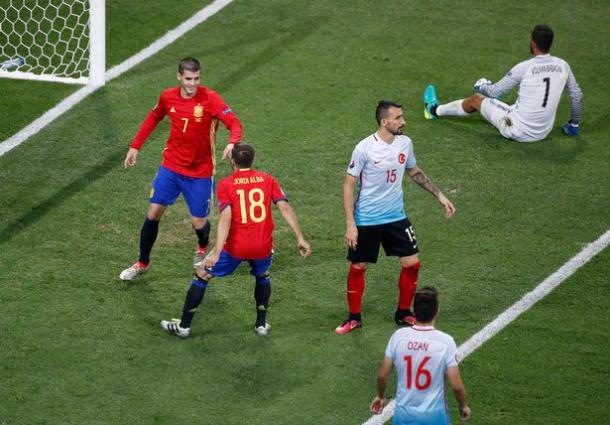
499	114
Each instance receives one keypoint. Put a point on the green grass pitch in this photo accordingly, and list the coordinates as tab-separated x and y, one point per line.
80	347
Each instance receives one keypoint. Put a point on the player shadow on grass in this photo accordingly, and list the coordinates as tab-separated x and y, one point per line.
557	148
47	205
292	35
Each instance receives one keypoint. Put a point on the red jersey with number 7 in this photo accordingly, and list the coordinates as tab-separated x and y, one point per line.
249	193
193	126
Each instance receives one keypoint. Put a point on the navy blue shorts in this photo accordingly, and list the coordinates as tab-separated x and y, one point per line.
197	192
227	264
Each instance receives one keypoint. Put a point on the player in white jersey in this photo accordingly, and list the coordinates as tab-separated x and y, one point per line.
541	81
422	357
377	217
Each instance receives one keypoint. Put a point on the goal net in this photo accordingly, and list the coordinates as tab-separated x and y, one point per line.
53	40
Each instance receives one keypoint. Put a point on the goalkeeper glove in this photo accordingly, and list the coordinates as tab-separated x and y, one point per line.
480	83
570	129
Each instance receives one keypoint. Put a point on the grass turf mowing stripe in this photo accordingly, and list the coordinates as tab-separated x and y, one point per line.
514	311
75	98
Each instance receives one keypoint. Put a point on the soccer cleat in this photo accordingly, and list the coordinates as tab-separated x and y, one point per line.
199	257
430	102
133	271
404	318
262	330
173	327
570	129
348	326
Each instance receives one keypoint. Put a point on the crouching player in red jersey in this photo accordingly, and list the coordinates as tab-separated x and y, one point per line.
244	233
188	159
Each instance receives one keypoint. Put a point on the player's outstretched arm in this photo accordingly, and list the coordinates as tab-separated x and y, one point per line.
351	231
383	376
131	158
453	373
224	225
226	153
149	124
290	217
232	123
418	176
510	80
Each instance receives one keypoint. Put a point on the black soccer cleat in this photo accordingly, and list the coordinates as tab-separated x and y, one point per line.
404	317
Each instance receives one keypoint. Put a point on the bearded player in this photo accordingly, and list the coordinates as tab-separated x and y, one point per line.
376	216
541	81
244	233
188	159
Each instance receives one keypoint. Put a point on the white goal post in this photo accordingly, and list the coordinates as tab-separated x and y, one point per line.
53	40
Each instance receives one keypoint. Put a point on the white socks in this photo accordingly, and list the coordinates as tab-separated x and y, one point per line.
451	109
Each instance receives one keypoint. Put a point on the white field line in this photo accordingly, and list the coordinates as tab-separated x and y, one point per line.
67	104
514	311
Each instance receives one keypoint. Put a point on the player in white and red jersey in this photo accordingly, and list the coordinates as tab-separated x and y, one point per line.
541	80
245	231
188	164
422	356
377	216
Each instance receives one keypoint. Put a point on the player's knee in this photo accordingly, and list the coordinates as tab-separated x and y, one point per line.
360	266
155	212
203	275
199	223
473	103
409	261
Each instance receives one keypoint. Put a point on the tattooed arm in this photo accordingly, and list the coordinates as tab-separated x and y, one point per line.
418	176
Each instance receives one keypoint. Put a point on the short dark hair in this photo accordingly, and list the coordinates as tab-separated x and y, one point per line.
425	304
382	109
243	155
543	37
189	64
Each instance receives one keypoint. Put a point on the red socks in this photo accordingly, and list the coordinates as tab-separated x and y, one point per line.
355	289
407	284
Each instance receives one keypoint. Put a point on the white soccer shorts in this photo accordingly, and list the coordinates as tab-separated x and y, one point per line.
498	114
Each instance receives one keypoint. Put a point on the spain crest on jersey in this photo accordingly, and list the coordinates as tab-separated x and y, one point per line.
198	111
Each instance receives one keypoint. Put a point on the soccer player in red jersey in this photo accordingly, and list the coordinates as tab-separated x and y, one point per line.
188	162
244	233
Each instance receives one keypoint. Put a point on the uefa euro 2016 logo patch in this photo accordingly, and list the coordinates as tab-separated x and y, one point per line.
352	164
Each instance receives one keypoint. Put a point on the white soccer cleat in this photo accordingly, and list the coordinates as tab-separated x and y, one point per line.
173	327
133	271
263	330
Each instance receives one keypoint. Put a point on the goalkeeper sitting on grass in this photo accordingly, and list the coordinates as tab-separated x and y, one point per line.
541	81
